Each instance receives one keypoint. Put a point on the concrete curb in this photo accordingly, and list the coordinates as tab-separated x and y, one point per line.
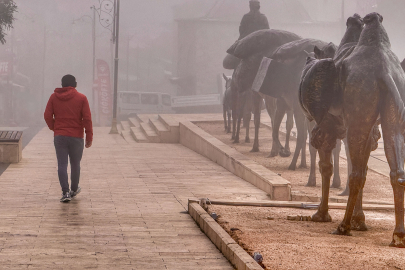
236	255
194	138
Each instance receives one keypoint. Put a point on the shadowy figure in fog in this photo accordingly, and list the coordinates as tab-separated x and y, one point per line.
253	21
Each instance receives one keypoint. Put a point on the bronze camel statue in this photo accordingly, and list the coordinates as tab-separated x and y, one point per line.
370	83
320	101
279	77
349	41
251	50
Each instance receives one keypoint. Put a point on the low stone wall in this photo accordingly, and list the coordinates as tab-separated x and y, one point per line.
238	257
205	144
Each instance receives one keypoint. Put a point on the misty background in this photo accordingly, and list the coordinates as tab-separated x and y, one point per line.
170	46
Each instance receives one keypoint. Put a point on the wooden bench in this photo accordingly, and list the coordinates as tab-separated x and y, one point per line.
10	146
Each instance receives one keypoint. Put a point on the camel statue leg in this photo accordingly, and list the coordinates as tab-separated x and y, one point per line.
271	105
247	113
256	102
358	137
278	118
312	151
238	122
224	114
336	175
301	137
240	114
289	126
304	147
349	169
235	111
229	113
246	124
358	222
395	151
234	120
398	237
237	131
326	169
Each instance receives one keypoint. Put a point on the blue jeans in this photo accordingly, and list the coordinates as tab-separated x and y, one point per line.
73	148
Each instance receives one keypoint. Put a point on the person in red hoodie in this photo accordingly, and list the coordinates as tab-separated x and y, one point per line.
67	114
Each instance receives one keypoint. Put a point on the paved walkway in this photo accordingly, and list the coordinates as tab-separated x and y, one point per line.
131	213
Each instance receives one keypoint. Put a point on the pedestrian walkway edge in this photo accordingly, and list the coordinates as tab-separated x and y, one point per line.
235	254
196	139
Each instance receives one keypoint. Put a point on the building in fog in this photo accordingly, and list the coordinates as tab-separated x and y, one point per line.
207	28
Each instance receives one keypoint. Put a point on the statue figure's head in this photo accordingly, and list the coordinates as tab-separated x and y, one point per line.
254	5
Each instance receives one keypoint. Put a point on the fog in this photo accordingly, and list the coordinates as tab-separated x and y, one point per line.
168	46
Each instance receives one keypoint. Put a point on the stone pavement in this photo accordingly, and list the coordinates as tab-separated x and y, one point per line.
131	213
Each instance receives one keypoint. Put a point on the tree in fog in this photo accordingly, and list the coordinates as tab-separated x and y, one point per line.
7	9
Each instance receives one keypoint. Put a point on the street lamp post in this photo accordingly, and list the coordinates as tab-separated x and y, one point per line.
114	129
109	12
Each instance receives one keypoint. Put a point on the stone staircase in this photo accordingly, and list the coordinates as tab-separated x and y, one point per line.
150	128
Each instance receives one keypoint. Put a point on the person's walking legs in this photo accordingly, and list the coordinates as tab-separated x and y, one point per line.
62	151
76	146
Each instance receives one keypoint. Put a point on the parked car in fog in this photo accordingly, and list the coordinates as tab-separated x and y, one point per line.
143	103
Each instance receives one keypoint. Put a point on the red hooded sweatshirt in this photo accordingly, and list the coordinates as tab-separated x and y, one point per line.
68	113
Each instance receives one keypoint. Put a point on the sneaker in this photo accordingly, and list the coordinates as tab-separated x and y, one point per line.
74	193
66	197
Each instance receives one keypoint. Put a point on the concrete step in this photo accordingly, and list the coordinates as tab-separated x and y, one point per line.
126	132
173	126
151	134
158	126
165	135
128	137
145	117
138	135
168	121
134	122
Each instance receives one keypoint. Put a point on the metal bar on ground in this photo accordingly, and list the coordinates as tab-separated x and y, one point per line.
295	204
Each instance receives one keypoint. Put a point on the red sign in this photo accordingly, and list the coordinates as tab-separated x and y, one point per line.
105	96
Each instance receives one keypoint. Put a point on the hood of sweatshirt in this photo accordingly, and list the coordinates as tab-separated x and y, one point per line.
65	93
